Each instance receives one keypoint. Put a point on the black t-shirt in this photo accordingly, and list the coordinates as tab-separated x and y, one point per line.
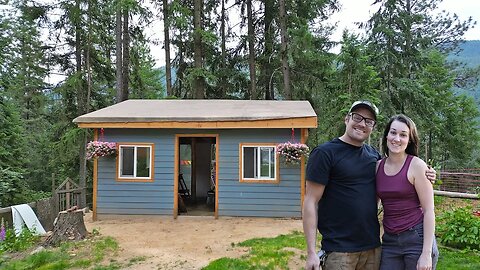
347	212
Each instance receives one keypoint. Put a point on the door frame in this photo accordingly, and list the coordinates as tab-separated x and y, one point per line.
177	167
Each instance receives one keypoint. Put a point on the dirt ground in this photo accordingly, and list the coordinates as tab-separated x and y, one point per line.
189	242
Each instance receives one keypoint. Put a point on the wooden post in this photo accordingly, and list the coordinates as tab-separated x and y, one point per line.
8	209
55	195
303	139
176	176
193	172
67	195
426	153
53	183
452	194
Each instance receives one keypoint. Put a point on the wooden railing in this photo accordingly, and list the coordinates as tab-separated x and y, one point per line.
464	181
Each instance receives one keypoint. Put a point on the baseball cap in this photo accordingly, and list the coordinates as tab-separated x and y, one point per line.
364	104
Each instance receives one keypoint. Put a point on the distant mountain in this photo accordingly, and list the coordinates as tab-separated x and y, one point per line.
470	55
163	77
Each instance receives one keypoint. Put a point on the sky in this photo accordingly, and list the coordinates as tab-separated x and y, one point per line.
359	11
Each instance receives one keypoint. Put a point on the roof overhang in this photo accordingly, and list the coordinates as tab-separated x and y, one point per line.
202	114
304	122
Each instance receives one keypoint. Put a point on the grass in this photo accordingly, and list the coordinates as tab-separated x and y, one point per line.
443	204
453	259
90	253
97	252
275	253
264	253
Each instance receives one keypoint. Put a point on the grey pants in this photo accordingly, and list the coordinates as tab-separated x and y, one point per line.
401	251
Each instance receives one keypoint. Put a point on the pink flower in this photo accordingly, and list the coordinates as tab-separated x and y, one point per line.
292	152
100	149
3	232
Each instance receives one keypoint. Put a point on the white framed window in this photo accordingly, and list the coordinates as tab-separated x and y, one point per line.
258	163
135	162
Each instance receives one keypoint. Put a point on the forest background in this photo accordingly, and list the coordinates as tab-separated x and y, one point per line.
410	60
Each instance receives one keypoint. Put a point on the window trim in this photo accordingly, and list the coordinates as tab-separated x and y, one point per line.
274	180
152	162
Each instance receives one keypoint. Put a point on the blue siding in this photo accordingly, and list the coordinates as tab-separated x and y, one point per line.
114	197
256	199
235	198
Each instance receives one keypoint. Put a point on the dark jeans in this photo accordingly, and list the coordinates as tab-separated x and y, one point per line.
401	251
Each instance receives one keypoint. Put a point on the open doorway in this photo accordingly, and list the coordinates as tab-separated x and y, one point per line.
197	175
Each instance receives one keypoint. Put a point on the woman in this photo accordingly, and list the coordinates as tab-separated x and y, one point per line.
407	198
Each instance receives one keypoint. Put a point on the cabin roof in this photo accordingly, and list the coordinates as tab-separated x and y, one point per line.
198	111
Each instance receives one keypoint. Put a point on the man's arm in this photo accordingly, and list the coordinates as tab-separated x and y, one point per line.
431	174
313	195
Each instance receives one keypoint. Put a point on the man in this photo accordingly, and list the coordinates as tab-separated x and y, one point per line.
340	196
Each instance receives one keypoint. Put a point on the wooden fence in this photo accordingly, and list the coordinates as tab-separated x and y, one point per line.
64	197
67	195
44	209
465	181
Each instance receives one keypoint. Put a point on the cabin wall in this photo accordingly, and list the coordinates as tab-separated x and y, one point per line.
282	199
115	197
235	198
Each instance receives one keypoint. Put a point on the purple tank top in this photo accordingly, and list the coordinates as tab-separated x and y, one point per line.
400	201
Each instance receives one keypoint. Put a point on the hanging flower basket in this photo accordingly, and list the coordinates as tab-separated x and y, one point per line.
100	149
292	152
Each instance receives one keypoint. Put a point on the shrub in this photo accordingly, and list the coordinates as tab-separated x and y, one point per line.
460	228
12	186
14	243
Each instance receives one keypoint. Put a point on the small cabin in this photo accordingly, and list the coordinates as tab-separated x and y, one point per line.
199	157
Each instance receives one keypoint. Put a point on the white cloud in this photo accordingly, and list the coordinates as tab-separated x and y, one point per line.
465	9
361	10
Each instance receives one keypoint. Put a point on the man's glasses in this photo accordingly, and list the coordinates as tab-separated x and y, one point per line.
358	118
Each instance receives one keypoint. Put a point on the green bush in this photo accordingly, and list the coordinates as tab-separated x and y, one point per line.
14	243
14	189
459	229
11	187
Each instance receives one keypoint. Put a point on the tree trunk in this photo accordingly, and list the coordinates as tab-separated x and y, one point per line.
198	57
284	50
78	62
69	226
267	71
251	51
223	84
182	66
81	103
89	68
118	53
456	194
166	31
126	55
86	109
429	153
